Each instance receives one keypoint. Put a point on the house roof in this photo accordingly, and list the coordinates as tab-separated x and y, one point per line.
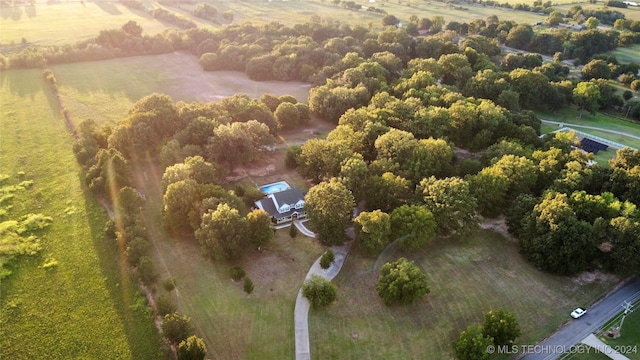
289	196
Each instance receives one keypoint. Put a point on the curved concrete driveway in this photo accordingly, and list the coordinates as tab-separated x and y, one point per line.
591	127
301	311
576	330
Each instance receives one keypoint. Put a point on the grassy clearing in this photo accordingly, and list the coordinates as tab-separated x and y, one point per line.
467	278
68	23
233	325
79	308
97	90
600	120
627	55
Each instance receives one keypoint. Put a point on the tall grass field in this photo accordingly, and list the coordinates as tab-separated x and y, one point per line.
70	300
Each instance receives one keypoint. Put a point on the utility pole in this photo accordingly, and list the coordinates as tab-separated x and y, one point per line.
627	310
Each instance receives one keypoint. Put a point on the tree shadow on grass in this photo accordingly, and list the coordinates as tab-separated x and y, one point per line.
108	7
22	83
16	13
142	337
30	11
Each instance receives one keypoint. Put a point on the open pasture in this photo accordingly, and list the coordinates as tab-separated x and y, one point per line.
60	23
105	90
467	278
290	12
79	308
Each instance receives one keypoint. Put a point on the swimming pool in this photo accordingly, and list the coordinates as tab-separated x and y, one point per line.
274	187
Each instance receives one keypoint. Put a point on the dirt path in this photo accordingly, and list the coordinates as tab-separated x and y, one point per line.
498	225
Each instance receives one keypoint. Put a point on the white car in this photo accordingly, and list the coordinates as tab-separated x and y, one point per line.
578	312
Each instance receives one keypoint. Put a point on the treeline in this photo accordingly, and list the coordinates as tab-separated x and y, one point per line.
161	14
109	44
310	52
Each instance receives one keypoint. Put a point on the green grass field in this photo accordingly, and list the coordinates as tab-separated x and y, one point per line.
629	341
467	279
600	120
233	325
626	55
69	22
81	307
105	90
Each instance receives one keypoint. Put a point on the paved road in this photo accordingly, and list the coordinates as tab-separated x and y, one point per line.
591	127
576	330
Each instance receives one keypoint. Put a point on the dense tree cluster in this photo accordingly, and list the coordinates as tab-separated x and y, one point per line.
394	148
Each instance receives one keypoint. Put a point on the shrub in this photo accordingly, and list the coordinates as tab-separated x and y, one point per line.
237	272
293	231
627	94
176	328
248	285
192	348
326	259
169	284
164	305
291	158
319	291
635	85
146	271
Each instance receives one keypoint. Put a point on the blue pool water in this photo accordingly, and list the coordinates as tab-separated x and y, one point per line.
274	187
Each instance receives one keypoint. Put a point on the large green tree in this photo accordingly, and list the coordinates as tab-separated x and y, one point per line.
414	225
451	203
472	344
329	206
554	239
373	230
259	228
586	95
502	326
223	233
178	201
401	282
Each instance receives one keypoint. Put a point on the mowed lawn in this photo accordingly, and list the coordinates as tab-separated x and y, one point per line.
627	55
105	90
81	307
233	324
467	278
629	341
61	23
568	116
